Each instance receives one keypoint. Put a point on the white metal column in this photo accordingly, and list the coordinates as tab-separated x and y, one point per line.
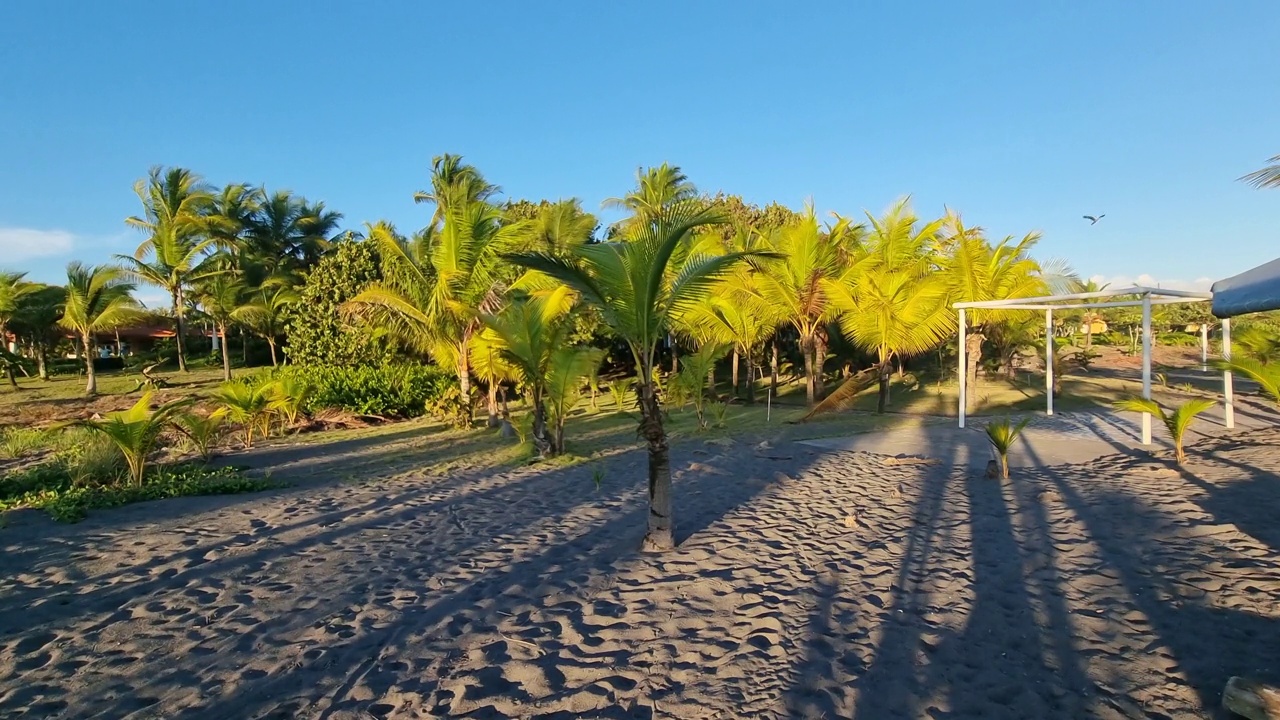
1228	394
964	368
1204	346
1146	365
1048	361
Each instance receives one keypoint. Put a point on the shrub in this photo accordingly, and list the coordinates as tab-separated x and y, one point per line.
450	406
317	333
403	390
135	431
18	443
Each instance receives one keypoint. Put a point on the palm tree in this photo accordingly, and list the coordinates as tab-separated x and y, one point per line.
221	297
287	234
35	323
1176	422
135	431
1267	177
976	270
629	284
248	405
656	188
798	284
176	205
98	299
435	288
12	290
266	311
1089	317
454	182
1002	435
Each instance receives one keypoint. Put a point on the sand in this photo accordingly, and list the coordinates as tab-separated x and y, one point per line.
808	584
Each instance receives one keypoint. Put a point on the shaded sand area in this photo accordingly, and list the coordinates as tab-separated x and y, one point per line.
810	583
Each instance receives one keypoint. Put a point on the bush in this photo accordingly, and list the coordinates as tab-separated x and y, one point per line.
1178	339
318	334
401	390
50	487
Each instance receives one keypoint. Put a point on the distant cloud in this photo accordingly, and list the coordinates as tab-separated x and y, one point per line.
26	243
1144	280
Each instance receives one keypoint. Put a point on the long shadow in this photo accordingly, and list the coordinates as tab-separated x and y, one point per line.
449	571
1211	643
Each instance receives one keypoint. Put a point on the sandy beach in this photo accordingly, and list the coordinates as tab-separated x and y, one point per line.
808	584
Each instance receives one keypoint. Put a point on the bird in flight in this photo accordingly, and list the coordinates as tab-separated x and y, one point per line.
1094	220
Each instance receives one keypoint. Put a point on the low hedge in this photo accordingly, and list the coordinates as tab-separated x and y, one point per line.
398	390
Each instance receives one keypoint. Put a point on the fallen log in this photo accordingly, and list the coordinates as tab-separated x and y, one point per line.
1252	699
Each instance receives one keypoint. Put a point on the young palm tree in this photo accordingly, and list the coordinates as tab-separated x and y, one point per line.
135	431
247	405
798	284
696	366
98	299
435	289
266	311
176	206
1002	435
1267	375
221	297
526	334
1175	422
629	284
35	323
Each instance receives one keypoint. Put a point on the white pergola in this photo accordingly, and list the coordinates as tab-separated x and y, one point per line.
1146	298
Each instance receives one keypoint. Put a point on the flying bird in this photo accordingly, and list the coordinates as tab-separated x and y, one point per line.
1094	220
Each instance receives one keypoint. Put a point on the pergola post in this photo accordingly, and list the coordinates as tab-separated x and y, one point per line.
1228	395
1204	347
1048	361
964	368
1146	365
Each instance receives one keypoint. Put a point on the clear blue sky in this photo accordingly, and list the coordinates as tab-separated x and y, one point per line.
1021	115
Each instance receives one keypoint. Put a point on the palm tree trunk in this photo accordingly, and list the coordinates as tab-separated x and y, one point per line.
1088	336
541	443
675	355
810	386
773	370
464	385
661	534
493	420
180	329
244	346
973	356
271	343
886	368
91	386
734	372
751	377
819	363
221	329
42	361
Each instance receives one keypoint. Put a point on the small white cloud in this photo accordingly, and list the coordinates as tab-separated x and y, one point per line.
1123	281
153	301
26	243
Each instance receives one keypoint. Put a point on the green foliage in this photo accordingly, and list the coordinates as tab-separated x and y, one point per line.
719	413
17	443
597	477
248	405
53	488
401	390
318	334
1257	343
1266	375
1002	434
451	406
1176	422
134	431
693	374
621	390
201	431
288	396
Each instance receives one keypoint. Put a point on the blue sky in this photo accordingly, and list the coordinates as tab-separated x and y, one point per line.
1021	115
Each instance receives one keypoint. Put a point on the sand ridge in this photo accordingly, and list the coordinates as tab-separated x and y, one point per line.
809	584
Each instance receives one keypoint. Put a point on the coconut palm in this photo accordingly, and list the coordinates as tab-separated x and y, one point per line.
798	283
266	311
1267	375
1002	434
693	368
221	297
98	299
454	182
1267	177
656	188
12	290
35	323
247	405
435	288
288	234
1176	422
629	284
1258	343
135	431
976	270
176	206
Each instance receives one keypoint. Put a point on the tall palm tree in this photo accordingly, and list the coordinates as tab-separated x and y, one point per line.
221	296
1267	177
435	288
176	205
1089	317
35	323
629	284
798	284
656	188
288	234
98	299
12	289
454	182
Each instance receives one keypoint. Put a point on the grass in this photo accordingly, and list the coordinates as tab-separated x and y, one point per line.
62	397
